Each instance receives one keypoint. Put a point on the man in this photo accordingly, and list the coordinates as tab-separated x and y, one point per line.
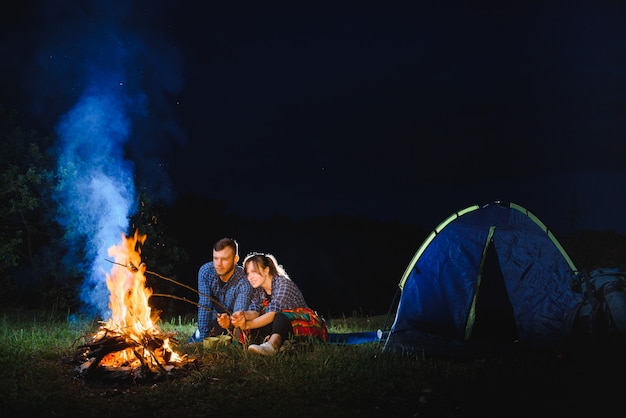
223	288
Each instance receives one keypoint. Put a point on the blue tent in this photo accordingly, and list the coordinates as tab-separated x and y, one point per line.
488	278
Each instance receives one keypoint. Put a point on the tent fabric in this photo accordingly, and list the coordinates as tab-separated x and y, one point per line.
485	277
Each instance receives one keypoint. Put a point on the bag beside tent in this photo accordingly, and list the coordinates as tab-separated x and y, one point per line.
598	322
487	279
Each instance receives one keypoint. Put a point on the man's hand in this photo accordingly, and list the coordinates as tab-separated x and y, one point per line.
224	320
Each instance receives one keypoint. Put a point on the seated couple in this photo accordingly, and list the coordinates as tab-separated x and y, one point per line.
267	306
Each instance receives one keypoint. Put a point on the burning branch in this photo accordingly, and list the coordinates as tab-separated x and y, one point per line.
121	355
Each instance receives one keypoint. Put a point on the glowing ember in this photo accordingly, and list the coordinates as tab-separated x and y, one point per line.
130	340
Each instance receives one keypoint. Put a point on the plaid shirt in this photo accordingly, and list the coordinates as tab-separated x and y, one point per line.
285	295
234	295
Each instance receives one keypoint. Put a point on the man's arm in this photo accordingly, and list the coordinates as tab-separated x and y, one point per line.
205	316
242	297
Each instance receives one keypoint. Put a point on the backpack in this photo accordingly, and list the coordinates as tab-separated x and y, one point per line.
598	321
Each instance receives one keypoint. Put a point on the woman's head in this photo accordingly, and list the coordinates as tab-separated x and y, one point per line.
260	267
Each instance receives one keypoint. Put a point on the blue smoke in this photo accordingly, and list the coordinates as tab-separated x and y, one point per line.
111	75
96	192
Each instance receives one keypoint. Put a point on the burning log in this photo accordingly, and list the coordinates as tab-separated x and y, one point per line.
112	355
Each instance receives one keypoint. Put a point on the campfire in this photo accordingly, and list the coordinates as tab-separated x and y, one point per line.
129	345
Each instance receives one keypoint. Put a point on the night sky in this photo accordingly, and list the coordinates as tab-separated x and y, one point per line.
385	111
410	113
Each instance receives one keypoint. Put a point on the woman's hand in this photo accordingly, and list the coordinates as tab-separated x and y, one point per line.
238	319
224	320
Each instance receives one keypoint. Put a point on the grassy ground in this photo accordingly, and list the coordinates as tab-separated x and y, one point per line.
38	377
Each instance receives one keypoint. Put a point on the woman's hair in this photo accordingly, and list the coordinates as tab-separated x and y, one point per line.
261	261
226	242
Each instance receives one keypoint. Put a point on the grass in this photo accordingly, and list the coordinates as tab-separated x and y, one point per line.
37	378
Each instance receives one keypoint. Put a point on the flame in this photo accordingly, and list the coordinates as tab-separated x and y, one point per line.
132	322
127	285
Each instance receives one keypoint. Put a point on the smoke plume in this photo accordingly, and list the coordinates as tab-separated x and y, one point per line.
106	75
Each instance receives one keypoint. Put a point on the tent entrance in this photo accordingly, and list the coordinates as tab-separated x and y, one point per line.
493	313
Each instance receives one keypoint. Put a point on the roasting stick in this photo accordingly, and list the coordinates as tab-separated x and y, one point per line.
166	295
233	334
134	269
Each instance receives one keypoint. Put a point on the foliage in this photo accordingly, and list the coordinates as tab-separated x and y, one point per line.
24	179
26	225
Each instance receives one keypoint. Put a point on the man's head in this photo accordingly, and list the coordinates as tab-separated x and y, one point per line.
225	257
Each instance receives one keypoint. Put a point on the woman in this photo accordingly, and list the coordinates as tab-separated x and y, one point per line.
277	308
